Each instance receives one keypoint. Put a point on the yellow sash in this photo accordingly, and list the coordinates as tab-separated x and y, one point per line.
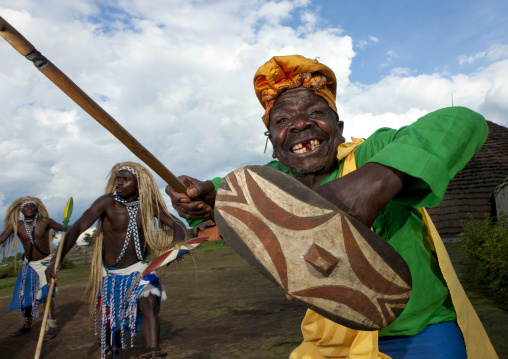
324	339
478	345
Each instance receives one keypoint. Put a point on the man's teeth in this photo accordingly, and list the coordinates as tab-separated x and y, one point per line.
300	148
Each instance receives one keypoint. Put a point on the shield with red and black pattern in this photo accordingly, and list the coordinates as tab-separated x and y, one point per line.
315	252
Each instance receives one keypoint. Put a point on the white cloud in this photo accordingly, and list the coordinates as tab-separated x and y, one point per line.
373	39
463	59
495	52
400	99
400	71
309	21
391	54
361	44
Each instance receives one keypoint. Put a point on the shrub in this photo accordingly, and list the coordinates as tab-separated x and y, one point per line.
7	266
67	264
486	245
7	270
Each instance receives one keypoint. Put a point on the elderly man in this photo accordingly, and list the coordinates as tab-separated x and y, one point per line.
27	218
133	219
382	181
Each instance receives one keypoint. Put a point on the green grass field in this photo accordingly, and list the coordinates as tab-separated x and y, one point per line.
80	273
67	277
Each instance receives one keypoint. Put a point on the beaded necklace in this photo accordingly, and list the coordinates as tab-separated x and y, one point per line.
132	228
31	233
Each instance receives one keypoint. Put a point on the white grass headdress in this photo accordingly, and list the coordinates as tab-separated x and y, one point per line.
11	218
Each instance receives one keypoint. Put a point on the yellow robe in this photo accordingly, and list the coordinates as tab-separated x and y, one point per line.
324	339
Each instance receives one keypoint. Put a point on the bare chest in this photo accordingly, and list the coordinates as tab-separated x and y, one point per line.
121	237
35	238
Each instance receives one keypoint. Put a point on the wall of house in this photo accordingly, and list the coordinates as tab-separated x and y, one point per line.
501	197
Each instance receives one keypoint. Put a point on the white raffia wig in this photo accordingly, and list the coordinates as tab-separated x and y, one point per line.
12	216
158	236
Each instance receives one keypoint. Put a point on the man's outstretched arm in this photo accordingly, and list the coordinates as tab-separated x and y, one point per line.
86	220
6	234
55	225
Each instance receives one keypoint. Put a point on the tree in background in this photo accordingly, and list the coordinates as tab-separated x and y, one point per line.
486	245
89	239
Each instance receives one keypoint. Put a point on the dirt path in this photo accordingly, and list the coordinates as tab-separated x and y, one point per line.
230	312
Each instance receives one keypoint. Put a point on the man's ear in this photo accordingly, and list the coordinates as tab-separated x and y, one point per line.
341	125
268	137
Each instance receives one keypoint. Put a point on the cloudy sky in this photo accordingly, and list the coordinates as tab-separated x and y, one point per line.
177	74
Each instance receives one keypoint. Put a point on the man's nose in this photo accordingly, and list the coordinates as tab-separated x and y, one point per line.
301	122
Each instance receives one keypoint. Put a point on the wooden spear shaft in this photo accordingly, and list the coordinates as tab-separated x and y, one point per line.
25	48
67	215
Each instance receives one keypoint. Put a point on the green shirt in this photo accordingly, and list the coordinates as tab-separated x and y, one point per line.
432	149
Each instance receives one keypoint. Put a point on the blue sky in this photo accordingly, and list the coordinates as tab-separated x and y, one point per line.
177	74
423	36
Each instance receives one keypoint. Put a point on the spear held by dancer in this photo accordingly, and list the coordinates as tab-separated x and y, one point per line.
67	215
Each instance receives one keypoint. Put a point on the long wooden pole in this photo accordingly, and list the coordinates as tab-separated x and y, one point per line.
67	215
25	48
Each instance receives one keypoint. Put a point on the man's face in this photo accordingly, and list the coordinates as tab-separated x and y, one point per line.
304	132
126	185
29	210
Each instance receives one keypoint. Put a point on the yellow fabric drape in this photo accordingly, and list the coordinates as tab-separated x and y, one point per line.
478	345
324	339
346	150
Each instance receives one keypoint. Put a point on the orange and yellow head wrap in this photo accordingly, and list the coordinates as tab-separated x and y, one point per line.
282	73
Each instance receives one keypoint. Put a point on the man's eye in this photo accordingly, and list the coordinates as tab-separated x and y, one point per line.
282	119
